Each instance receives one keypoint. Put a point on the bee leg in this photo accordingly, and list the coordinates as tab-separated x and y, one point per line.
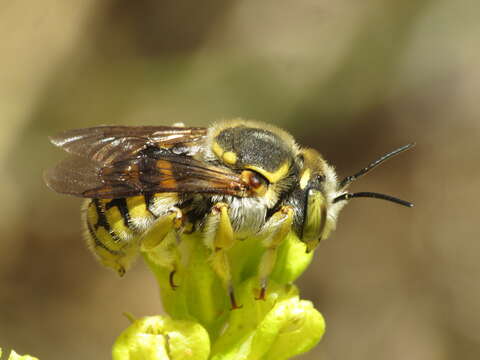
274	232
171	280
171	276
160	242
219	238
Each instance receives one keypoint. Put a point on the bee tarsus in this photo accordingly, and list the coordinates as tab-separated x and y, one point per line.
171	275
233	302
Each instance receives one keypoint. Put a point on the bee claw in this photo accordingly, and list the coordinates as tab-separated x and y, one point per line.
233	302
261	295
236	307
121	271
173	286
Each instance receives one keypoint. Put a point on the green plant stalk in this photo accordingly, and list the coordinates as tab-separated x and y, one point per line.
200	323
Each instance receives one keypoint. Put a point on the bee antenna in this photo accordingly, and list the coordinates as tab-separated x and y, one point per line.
349	179
348	196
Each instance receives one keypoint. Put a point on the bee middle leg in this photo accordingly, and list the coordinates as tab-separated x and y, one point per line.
219	238
161	239
274	232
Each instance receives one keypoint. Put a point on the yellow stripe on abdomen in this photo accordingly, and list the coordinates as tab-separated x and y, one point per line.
114	226
109	236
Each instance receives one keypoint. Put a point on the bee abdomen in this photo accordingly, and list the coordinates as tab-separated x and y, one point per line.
121	205
114	226
110	234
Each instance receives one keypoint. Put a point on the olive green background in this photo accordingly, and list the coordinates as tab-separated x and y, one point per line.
354	79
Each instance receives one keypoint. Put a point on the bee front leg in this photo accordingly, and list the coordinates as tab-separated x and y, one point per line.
274	232
161	239
219	238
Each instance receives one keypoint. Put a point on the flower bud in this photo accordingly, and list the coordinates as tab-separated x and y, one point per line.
161	338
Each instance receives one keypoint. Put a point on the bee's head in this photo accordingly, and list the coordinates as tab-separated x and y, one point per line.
312	198
319	196
278	173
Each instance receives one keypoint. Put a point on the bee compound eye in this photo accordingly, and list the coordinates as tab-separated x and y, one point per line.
320	178
256	182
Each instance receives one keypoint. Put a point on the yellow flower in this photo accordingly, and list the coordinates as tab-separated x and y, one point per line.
201	323
15	356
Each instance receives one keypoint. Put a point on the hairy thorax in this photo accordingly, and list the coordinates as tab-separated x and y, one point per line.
247	215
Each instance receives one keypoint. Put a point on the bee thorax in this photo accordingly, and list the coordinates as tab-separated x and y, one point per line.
247	215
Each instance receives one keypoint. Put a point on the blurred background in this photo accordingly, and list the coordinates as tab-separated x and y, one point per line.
354	79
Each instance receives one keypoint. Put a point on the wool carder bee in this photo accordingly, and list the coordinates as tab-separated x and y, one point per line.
228	182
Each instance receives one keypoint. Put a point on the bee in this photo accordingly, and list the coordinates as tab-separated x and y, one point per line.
228	182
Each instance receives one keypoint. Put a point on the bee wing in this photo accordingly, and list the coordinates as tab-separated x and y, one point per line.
109	144
74	175
168	172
